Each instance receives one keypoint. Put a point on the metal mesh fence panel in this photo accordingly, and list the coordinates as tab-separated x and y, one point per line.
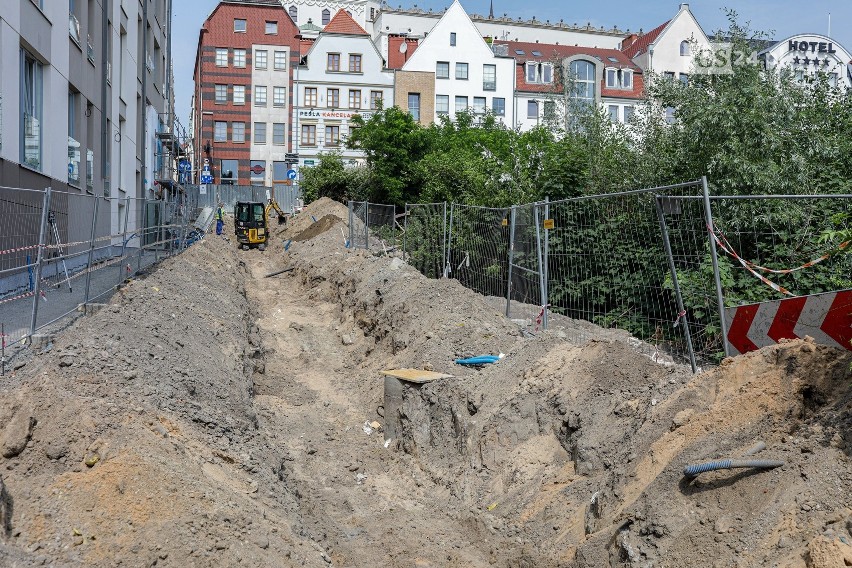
524	299
381	226
424	237
478	249
358	234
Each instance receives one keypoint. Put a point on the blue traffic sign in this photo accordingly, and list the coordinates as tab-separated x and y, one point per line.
291	174
206	178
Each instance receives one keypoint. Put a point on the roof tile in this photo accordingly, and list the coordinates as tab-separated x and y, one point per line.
641	44
342	23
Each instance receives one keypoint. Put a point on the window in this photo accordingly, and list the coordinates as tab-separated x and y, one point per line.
683	78
279	96
832	80
332	135
669	75
549	110
271	28
620	78
461	71
279	133
260	95
280	61
489	77
31	107
442	104
221	57
532	109
239	26
239	58
583	74
354	63
239	94
229	171
532	72
73	143
260	59
354	99
461	104
326	17
613	113
309	134
238	132
279	171
452	38
547	73
684	48
414	106
670	115
442	70
376	100
479	105
260	133
498	105
220	131
628	113
294	13
221	94
332	98
333	62
311	96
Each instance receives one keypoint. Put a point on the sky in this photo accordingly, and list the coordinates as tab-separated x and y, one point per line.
779	18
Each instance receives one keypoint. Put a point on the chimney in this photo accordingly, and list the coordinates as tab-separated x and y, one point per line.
628	41
684	6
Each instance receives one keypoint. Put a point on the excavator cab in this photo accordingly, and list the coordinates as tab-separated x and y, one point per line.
251	222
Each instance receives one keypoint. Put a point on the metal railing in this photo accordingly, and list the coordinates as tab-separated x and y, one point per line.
647	261
63	250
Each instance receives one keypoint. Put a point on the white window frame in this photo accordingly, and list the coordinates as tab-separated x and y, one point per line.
221	57
279	96
279	62
220	89
239	94
244	26
445	99
260	95
219	135
270	25
261	59
238	135
239	57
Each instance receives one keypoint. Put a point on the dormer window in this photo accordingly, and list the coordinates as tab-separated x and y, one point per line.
685	50
619	78
539	72
326	17
294	13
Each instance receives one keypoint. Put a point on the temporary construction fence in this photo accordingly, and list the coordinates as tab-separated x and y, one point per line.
63	250
661	262
287	196
372	226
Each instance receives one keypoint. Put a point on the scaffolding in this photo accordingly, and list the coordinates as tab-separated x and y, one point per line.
172	179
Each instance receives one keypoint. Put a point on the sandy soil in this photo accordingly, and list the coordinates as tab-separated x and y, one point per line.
213	416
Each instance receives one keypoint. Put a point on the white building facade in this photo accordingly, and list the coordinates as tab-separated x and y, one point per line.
809	55
342	75
468	75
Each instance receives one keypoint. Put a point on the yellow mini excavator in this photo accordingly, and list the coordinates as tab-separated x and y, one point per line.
251	222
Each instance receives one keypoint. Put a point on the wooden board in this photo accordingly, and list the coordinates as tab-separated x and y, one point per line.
416	375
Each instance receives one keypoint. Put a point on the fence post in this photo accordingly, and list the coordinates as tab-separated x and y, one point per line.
91	251
720	299
351	217
444	233
447	267
682	318
367	225
45	208
142	229
124	241
541	283
404	229
546	298
511	260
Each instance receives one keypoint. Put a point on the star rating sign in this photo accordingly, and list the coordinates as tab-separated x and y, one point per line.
797	60
827	62
817	62
807	61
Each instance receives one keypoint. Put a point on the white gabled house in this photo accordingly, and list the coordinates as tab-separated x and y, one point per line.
467	74
340	76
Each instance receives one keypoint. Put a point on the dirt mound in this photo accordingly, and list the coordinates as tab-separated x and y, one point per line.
322	225
314	211
211	416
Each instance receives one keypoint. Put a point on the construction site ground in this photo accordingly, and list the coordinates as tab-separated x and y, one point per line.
212	416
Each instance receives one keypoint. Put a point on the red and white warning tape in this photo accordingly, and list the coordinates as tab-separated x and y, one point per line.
540	317
726	246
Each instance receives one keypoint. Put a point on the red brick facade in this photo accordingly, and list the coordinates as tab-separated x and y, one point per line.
218	32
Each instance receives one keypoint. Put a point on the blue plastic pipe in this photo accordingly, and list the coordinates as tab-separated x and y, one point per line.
696	469
480	360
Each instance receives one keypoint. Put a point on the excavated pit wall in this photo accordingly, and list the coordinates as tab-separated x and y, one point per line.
577	452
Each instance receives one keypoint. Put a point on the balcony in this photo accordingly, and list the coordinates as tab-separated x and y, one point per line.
73	161
74	27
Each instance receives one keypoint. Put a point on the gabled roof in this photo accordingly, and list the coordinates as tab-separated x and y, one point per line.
310	27
342	23
639	46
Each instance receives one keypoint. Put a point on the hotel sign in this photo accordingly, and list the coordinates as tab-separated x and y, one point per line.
811	46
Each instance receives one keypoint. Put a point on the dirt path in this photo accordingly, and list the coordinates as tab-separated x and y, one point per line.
363	503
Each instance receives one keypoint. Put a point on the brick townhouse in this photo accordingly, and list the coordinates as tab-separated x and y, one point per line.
241	107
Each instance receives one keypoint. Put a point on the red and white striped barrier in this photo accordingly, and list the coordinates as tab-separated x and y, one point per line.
825	317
